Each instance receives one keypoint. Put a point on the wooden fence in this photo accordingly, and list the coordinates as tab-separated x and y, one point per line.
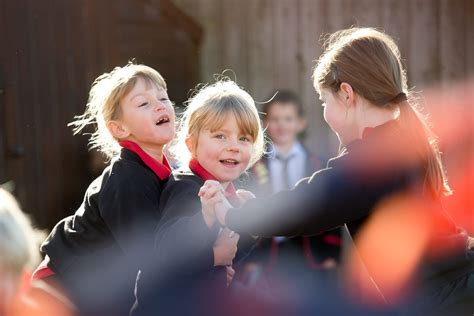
272	43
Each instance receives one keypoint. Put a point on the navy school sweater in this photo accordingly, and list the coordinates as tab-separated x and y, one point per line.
181	278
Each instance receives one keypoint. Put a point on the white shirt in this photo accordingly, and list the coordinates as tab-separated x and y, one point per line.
296	167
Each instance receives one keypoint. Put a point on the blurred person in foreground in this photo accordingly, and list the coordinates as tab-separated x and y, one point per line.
19	253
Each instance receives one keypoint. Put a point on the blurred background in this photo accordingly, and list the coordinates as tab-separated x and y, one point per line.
52	50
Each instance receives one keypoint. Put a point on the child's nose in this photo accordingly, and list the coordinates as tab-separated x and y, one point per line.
233	146
159	105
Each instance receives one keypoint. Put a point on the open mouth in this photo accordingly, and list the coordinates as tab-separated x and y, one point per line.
162	120
231	162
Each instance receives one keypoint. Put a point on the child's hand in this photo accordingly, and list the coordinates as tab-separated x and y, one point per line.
225	247
214	203
245	195
230	274
210	193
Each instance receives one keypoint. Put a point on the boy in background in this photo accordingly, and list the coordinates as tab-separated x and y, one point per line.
286	163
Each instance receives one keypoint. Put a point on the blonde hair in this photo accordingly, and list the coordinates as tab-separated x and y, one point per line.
370	61
104	103
209	108
18	245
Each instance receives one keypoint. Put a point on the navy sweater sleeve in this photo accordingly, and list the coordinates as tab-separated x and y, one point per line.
331	197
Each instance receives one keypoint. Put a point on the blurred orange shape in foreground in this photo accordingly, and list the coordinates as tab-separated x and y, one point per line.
390	246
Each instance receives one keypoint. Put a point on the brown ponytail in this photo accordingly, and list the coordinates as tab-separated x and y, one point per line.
435	181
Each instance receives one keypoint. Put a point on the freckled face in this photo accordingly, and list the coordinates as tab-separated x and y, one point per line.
148	115
225	152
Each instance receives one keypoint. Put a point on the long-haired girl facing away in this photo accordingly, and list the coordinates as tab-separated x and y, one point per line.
95	254
220	138
387	150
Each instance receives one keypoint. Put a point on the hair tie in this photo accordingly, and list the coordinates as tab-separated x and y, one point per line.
399	98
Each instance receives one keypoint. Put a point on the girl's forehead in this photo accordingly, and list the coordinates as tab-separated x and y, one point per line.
148	83
143	85
224	124
218	126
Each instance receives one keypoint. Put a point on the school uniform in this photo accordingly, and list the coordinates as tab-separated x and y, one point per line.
181	278
270	175
96	253
277	172
384	162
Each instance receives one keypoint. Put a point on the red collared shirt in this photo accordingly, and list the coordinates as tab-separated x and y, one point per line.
230	192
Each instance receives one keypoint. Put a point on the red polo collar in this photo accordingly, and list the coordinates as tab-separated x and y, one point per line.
202	173
162	170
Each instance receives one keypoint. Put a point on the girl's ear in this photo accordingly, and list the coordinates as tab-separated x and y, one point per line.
190	144
347	93
117	129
